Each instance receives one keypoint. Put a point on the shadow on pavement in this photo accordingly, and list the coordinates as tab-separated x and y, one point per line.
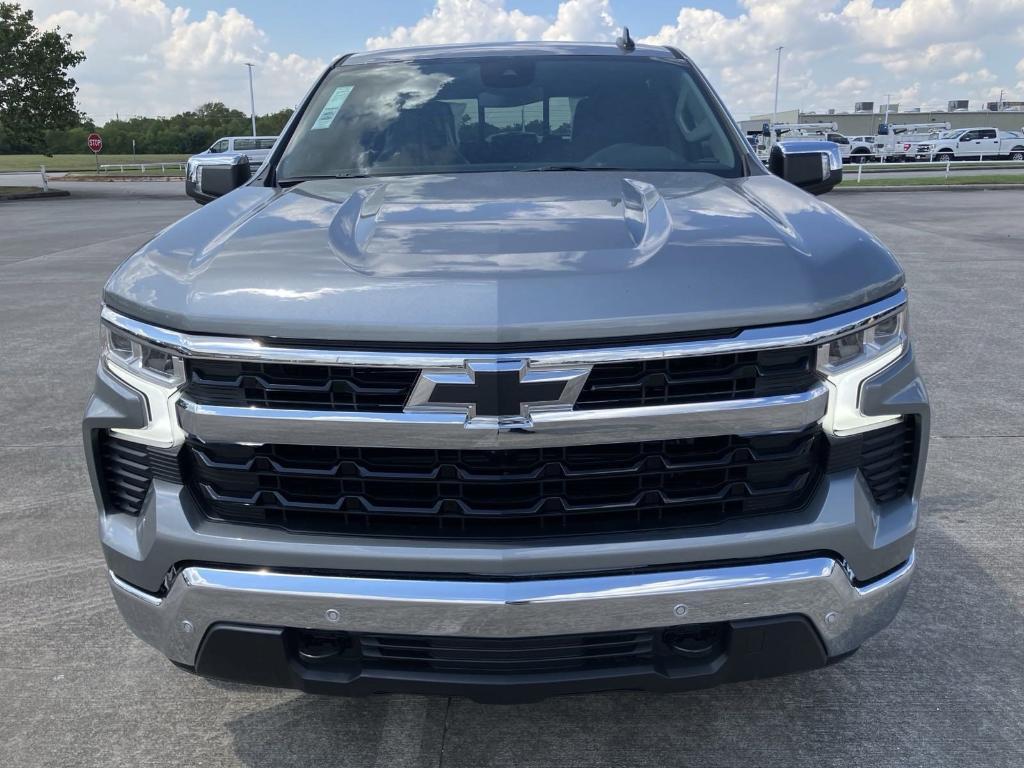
942	686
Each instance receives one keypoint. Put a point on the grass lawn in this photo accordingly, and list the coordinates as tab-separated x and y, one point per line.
83	162
4	191
957	180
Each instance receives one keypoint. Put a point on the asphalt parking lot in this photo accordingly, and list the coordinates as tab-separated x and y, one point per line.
944	686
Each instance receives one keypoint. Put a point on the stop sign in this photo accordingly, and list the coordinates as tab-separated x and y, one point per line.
95	142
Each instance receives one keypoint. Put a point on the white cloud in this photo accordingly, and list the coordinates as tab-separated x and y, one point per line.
462	21
982	75
146	58
932	57
855	85
921	22
921	52
582	20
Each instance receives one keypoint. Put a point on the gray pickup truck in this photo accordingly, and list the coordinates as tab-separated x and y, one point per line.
511	372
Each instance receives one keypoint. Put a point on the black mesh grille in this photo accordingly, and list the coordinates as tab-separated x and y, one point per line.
127	468
887	460
318	387
698	379
508	494
508	656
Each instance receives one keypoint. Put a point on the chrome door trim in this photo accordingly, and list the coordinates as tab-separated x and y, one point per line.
453	429
753	339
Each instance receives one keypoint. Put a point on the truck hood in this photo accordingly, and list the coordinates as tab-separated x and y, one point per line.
503	258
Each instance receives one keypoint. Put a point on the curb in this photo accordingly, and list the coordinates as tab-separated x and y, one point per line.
926	187
34	195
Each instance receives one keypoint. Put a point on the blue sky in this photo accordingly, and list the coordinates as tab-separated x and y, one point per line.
322	28
153	57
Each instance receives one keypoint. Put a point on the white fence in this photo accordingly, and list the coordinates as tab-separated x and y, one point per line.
141	167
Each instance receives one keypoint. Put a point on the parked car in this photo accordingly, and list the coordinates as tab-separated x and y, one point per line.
972	144
254	148
605	403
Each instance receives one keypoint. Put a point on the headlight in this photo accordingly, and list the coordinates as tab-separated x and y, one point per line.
846	362
157	375
143	358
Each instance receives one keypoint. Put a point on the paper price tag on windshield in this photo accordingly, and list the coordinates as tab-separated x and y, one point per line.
331	108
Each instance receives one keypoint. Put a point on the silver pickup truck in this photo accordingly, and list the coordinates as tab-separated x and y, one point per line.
511	372
971	144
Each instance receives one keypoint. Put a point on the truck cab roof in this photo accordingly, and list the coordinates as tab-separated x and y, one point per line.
464	50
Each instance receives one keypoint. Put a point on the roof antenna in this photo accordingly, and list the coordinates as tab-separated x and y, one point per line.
626	42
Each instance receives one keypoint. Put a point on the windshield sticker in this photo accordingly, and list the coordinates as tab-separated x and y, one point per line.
331	108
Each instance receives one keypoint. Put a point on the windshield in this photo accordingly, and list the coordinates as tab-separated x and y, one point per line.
951	134
510	113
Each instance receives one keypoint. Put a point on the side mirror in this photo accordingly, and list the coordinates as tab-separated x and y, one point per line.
207	178
814	166
219	175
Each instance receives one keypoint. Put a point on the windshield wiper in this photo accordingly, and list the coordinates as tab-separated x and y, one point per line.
320	177
569	167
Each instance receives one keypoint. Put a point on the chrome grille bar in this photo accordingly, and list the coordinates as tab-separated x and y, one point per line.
226	424
753	339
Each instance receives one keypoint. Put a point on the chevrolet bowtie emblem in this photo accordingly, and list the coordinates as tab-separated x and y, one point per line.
497	390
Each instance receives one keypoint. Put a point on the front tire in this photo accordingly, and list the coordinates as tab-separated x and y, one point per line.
943	157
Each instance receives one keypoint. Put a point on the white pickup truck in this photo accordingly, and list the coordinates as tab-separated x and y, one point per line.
972	144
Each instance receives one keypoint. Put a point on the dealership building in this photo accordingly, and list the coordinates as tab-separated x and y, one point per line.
867	116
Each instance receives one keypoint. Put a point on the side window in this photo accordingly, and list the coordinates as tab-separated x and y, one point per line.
559	116
968	136
244	145
265	143
467	119
838	138
988	133
220	146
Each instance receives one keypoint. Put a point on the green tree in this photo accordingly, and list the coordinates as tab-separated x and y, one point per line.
36	92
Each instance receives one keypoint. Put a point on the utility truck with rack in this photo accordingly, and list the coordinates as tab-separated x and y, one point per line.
897	142
856	151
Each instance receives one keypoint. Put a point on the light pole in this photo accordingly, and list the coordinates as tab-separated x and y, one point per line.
775	105
252	99
892	133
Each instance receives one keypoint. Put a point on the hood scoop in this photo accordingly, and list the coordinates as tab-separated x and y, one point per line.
381	230
644	211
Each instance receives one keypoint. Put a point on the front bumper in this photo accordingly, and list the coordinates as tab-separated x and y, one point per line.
203	602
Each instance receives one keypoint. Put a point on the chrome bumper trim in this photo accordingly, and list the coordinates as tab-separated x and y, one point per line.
844	614
769	337
231	424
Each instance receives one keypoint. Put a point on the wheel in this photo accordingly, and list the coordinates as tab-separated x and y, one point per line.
943	157
1017	154
859	158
